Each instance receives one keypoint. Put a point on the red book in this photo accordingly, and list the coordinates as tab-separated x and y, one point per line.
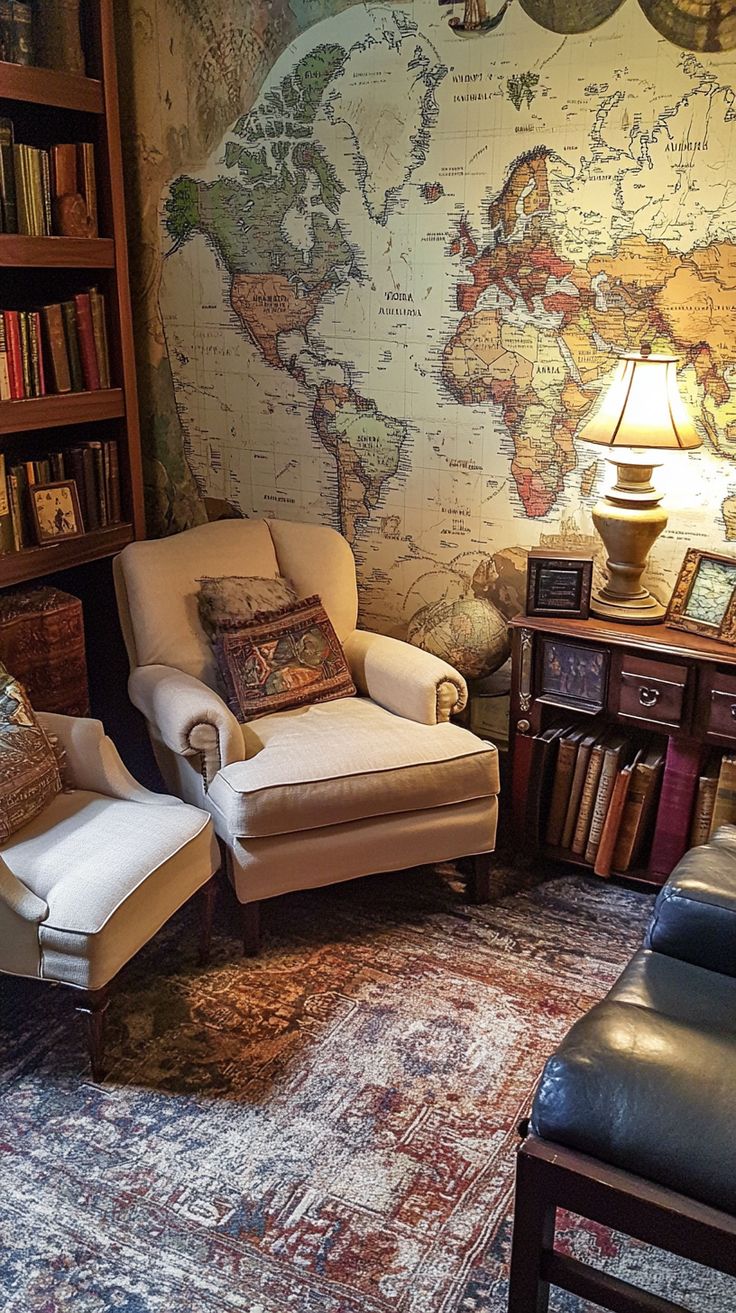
87	351
36	330
672	827
15	356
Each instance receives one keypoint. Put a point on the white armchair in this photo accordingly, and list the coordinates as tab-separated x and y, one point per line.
319	794
92	878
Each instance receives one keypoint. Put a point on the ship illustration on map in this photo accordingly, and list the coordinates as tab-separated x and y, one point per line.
476	20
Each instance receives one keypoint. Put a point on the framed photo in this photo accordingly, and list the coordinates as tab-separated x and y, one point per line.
558	584
572	674
704	600
56	512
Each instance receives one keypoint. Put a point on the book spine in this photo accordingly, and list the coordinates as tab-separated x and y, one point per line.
672	826
21	189
609	772
97	307
22	48
58	467
18	483
12	332
92	504
566	755
590	788
100	490
7	196
86	156
87	342
48	225
114	503
36	184
69	313
58	357
63	169
35	363
576	792
7	543
16	510
38	337
5	391
724	809
705	801
25	354
612	824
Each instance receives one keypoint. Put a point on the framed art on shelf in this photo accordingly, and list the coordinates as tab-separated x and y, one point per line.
572	674
704	597
56	512
558	584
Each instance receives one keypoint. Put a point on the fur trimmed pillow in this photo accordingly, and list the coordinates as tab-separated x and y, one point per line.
231	601
284	660
29	771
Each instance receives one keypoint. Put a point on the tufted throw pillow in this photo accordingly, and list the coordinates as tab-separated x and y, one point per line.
29	773
283	660
231	601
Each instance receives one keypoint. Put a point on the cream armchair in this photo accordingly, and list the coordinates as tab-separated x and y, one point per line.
92	878
324	793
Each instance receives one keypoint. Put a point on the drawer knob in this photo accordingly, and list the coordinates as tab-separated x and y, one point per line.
649	696
733	710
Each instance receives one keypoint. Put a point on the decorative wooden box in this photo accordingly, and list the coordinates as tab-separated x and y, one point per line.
42	642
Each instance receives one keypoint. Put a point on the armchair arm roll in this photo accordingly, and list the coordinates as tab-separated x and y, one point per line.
405	679
694	916
189	716
20	900
92	760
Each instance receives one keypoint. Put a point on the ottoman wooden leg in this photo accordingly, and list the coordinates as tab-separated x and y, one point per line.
93	1004
534	1234
206	907
480	878
250	925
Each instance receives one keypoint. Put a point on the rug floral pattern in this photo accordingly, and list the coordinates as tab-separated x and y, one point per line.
329	1128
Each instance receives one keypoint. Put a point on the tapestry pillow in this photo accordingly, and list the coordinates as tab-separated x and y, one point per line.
29	773
284	660
232	601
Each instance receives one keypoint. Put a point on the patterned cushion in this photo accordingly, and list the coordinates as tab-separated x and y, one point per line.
231	601
284	660
29	773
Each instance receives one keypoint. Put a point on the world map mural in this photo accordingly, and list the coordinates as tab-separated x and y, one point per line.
389	266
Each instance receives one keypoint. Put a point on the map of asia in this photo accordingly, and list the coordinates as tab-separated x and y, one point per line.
392	292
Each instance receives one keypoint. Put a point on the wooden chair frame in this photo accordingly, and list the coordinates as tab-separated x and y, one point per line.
549	1176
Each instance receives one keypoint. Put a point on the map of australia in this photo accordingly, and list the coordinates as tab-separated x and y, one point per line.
396	288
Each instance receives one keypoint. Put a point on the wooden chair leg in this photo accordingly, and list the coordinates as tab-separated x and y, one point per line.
93	1004
250	925
533	1237
206	907
480	878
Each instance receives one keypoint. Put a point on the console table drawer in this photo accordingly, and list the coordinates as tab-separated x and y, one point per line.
652	692
722	709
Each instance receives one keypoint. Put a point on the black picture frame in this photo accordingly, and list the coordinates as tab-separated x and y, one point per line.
558	584
571	674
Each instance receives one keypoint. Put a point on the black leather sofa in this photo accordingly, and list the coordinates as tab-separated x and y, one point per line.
634	1120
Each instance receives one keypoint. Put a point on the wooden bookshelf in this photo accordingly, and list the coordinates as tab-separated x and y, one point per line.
45	107
18	251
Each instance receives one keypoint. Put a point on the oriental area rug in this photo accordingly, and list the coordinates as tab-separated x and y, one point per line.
328	1128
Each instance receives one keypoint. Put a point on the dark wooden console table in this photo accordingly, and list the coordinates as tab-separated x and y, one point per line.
651	677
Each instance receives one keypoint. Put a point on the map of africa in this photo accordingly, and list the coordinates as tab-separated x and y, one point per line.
393	292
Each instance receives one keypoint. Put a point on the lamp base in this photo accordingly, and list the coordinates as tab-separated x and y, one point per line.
629	519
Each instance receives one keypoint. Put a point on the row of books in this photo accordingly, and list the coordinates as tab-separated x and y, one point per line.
622	802
94	468
60	348
45	193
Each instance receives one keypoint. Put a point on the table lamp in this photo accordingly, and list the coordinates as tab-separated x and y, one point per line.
641	410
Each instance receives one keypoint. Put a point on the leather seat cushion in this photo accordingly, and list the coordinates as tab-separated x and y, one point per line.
344	761
645	1080
695	913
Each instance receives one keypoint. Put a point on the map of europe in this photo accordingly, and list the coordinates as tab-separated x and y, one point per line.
392	294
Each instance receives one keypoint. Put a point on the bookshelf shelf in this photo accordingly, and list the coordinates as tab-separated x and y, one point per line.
35	562
46	86
17	252
54	411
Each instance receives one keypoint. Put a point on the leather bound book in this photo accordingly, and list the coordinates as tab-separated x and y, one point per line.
615	751
98	464
566	756
34	355
7	177
612	824
113	467
37	339
578	782
86	338
15	360
724	810
58	37
705	801
15	497
544	756
64	169
25	354
97	306
88	182
22	189
672	827
588	797
7	542
69	314
54	325
638	809
5	391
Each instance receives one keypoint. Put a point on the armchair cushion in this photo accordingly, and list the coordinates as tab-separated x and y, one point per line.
284	660
29	771
108	878
348	760
695	912
231	601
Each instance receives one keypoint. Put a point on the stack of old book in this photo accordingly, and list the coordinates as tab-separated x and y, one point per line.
47	192
93	466
624	803
59	348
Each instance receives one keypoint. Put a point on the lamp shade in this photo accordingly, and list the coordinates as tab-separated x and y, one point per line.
642	407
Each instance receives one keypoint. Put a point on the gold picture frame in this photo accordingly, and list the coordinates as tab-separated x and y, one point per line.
704	597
